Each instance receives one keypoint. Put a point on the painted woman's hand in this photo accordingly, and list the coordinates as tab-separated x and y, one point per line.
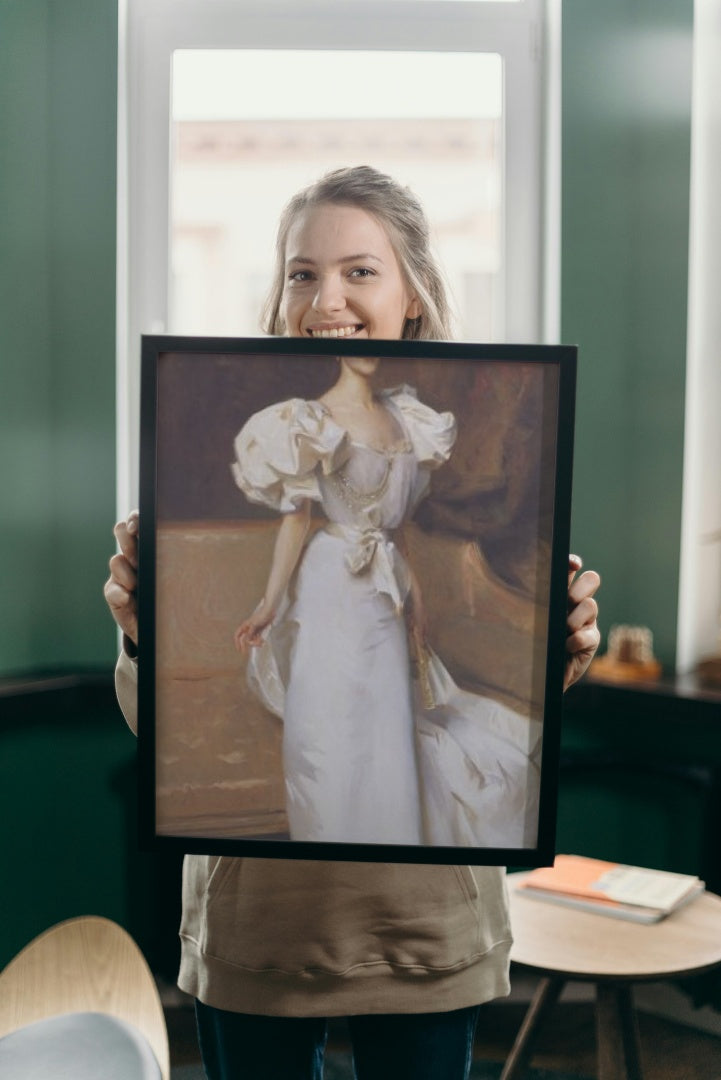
416	612
121	588
250	632
286	553
582	633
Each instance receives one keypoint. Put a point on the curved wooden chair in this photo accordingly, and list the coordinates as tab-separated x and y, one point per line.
91	973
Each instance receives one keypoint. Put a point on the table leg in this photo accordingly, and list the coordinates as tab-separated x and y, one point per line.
545	997
617	1033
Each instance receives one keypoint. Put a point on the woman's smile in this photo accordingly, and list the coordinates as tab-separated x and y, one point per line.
335	331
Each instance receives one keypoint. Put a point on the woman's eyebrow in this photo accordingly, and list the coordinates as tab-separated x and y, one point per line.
361	257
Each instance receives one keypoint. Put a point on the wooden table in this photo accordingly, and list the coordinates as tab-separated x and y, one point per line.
563	944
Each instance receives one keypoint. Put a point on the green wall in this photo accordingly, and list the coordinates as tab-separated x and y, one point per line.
67	772
58	72
626	145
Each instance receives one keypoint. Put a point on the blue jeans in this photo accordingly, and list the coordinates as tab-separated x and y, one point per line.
414	1046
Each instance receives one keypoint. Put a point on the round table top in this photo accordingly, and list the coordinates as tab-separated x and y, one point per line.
559	940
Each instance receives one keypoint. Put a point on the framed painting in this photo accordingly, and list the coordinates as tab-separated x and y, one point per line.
352	597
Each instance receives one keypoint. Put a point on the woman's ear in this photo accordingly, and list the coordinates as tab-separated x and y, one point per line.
415	309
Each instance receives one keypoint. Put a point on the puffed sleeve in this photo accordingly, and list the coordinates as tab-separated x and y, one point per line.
432	434
280	450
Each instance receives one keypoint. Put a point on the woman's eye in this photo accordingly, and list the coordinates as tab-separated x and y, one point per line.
362	272
300	276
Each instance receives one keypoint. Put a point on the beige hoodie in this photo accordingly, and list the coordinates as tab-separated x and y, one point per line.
299	938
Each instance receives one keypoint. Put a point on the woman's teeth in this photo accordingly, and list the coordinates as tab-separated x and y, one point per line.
335	332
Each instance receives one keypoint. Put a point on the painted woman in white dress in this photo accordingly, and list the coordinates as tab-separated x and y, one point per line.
364	760
335	661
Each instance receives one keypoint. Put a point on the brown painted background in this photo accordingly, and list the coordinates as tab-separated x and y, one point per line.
480	545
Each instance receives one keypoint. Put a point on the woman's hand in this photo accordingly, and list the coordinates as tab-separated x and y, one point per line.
416	612
120	589
250	632
286	553
583	635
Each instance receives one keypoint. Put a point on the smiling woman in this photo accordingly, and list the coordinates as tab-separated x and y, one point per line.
353	256
337	293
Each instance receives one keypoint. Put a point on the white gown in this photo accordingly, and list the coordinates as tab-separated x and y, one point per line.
364	760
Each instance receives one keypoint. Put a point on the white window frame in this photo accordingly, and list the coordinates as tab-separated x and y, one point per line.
699	596
526	34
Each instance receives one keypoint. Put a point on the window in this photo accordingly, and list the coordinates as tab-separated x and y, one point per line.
227	107
235	161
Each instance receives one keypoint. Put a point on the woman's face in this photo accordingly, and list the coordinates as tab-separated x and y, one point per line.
342	277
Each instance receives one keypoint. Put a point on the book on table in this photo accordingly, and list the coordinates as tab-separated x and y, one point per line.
609	888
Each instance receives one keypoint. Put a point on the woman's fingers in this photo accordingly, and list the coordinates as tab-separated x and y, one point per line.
123	606
581	648
584	640
582	633
575	562
123	572
583	611
247	636
120	589
250	632
126	534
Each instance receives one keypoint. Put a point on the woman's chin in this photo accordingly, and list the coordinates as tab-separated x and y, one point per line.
360	365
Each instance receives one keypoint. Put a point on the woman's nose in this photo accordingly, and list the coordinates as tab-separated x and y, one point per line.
329	296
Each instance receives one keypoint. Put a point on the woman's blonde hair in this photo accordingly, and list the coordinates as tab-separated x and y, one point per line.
403	217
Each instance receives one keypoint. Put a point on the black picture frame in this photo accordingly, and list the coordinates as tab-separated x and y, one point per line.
489	544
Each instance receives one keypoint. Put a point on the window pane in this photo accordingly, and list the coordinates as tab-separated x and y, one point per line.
252	127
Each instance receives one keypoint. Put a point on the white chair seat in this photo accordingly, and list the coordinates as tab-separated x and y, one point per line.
78	1046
